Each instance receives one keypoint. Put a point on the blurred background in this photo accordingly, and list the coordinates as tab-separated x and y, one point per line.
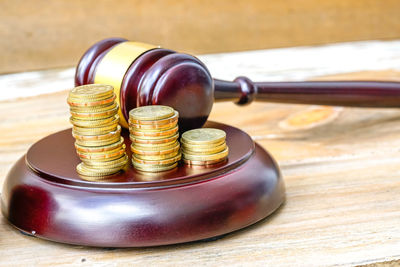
50	34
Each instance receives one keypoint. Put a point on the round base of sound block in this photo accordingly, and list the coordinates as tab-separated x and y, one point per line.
44	196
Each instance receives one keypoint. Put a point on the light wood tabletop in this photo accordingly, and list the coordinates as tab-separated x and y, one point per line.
340	167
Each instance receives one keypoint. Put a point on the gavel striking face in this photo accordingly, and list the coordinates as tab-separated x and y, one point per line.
150	76
147	75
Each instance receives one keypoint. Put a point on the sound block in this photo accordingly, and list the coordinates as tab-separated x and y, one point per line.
44	196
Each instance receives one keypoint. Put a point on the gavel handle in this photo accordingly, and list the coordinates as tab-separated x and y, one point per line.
335	93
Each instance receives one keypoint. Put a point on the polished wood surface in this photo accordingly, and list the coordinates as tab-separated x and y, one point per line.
340	167
164	77
156	77
336	93
44	196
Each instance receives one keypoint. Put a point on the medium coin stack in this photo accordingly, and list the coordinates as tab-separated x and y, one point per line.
154	135
204	146
97	134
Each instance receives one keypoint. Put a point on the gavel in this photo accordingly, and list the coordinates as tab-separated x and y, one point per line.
143	74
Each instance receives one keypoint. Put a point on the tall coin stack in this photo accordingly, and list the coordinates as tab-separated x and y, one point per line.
154	135
97	134
204	147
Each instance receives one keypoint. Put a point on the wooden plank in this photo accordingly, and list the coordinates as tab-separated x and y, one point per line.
342	191
340	166
45	34
342	196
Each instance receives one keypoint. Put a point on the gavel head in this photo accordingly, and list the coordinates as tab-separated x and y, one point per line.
142	75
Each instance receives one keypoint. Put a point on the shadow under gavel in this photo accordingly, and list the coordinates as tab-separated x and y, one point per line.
143	74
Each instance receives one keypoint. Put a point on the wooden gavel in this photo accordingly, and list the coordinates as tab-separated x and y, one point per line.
143	74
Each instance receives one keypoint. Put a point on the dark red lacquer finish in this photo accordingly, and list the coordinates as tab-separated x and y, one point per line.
183	82
192	96
336	93
44	196
155	78
86	61
130	84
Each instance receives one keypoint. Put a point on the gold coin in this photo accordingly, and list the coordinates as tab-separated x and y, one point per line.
157	157
95	138
154	127
94	109
154	147
203	151
103	154
95	130
94	149
203	136
215	156
157	162
85	170
160	151
102	102
115	162
104	178
160	123
95	115
153	168
166	139
95	119
89	102
91	91
97	108
112	154
200	146
151	113
100	161
88	99
80	101
94	123
92	105
155	135
209	163
97	143
88	170
118	162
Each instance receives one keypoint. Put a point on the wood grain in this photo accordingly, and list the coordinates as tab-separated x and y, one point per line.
340	166
44	34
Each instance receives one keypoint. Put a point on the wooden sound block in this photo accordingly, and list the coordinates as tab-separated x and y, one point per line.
44	196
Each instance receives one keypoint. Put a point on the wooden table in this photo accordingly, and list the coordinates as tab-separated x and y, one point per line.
340	166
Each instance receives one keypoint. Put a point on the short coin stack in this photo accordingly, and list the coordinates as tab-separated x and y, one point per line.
204	146
154	135
97	134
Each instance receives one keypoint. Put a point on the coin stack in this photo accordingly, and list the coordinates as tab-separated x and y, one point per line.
154	135
204	147
97	134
